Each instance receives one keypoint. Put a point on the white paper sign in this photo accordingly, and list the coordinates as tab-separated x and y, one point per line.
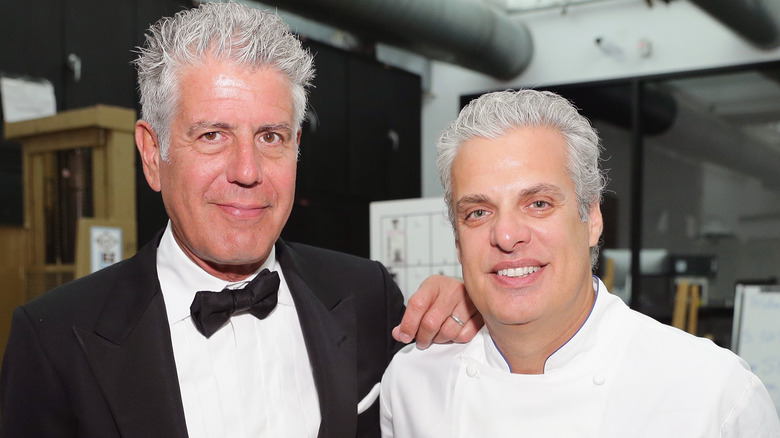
27	99
756	334
105	246
413	239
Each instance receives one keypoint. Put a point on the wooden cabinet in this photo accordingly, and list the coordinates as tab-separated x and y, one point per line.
76	164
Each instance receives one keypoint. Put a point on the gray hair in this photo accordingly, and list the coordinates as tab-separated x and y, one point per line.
494	114
225	31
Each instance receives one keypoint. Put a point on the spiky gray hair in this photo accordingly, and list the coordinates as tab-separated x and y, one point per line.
225	31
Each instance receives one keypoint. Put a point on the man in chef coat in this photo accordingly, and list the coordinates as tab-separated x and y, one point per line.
559	356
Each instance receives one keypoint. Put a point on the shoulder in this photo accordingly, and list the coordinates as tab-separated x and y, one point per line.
312	254
649	338
707	379
326	267
436	365
334	277
80	297
419	385
683	346
673	358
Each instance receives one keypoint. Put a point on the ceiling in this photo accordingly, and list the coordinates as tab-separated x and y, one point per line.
747	101
512	7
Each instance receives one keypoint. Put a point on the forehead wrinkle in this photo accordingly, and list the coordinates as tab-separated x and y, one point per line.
543	189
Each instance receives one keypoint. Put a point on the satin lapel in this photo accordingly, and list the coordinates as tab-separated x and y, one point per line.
329	330
131	355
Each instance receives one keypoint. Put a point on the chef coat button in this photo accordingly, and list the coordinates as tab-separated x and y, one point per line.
472	370
599	379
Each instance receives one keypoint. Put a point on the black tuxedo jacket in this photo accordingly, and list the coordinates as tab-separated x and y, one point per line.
93	358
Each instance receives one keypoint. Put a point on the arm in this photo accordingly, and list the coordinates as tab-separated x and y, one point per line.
427	317
753	414
32	399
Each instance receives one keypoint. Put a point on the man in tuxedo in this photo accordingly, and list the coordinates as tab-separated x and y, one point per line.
297	338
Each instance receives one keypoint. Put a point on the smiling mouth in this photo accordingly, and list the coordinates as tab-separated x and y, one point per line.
518	272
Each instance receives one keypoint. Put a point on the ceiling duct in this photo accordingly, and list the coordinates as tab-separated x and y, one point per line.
461	32
707	137
758	21
613	104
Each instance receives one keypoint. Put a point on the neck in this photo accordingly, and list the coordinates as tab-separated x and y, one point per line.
226	271
526	347
230	272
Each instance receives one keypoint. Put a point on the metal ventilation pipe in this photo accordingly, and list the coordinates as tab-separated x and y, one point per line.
461	32
758	21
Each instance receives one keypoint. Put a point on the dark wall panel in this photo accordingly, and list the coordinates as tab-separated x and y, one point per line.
40	34
361	144
104	44
324	138
32	40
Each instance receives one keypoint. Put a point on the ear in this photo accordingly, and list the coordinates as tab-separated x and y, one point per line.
298	145
457	247
149	149
595	224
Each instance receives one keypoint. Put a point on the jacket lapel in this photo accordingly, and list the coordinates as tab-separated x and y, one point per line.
131	354
329	329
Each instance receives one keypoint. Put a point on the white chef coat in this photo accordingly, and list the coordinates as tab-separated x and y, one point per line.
622	375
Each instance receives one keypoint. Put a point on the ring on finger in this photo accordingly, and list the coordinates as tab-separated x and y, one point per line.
458	320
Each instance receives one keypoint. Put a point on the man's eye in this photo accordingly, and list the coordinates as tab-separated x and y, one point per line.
211	136
270	137
539	204
476	214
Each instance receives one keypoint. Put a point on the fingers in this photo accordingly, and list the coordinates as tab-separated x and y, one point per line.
428	314
416	308
469	329
452	331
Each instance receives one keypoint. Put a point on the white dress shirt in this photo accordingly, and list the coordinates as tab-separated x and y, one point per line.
252	377
621	375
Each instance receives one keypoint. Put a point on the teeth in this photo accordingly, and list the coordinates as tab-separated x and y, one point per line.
518	272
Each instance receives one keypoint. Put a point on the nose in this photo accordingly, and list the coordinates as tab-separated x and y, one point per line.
244	166
508	231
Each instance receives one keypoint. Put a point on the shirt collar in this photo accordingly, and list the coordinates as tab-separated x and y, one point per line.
580	342
180	278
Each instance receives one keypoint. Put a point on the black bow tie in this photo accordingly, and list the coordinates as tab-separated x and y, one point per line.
211	310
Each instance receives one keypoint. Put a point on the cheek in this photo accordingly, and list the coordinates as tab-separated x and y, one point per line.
283	177
471	247
168	178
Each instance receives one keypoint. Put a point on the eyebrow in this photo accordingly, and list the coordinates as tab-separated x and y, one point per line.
227	126
207	125
469	200
542	188
277	127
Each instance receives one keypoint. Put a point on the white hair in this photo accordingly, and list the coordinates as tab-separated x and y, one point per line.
494	114
226	31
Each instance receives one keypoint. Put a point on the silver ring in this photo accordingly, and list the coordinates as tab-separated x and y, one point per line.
457	320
